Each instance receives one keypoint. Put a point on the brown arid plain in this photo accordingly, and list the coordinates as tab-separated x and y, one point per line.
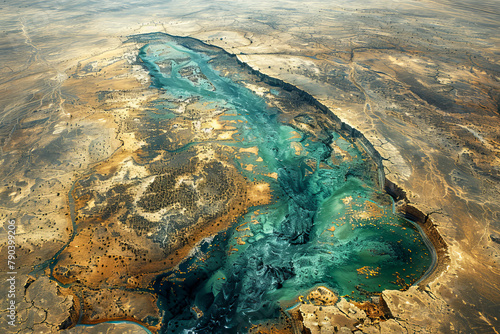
419	79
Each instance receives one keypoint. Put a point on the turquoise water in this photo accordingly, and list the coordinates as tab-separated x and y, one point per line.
327	224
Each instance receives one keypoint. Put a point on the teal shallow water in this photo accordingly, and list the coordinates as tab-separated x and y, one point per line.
327	224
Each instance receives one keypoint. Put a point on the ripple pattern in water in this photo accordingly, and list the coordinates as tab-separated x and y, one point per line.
328	223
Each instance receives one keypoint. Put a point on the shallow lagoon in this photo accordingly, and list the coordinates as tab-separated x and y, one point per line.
328	223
